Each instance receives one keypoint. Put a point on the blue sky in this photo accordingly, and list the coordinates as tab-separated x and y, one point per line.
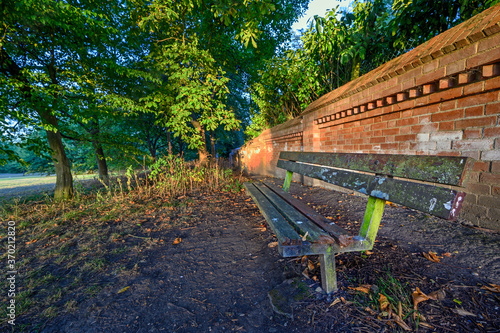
318	7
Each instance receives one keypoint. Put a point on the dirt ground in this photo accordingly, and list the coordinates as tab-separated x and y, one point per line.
208	266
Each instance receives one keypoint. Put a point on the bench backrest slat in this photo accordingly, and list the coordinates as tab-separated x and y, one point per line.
449	170
435	200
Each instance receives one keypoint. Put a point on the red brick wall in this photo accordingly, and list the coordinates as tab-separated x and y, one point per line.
442	98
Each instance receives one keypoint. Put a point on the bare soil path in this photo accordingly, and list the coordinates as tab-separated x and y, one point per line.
205	265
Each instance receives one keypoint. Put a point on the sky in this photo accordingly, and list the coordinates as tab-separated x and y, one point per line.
318	7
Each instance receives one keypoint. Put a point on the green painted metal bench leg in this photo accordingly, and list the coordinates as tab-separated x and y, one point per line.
371	222
288	181
328	273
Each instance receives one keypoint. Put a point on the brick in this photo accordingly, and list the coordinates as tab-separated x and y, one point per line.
464	78
447	115
473	134
492	132
390	116
406	137
483	58
407	122
495	167
405	130
448	105
457	55
474	88
423	146
476	122
446	82
403	96
455	67
428	88
404	105
422	137
389	146
474	111
488	43
472	145
493	108
491	70
425	127
495	190
481	166
442	136
479	99
391	131
413	93
446	95
492	83
446	125
481	189
377	139
430	77
488	201
380	103
471	153
492	155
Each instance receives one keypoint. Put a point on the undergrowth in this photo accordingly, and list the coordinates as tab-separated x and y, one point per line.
62	247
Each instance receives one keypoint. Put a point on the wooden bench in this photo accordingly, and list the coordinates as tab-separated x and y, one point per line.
412	181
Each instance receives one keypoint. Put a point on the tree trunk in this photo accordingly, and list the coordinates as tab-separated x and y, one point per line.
64	179
202	149
212	144
102	165
169	139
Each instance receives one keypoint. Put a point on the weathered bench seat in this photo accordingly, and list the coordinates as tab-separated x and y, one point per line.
397	178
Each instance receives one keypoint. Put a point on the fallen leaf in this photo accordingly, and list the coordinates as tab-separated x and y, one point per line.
400	309
310	265
177	241
123	290
364	288
426	325
418	296
368	252
370	311
303	260
437	295
384	302
463	312
432	256
447	254
335	302
304	238
401	323
272	244
494	288
305	273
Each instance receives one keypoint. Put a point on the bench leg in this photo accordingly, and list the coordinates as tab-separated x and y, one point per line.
328	273
371	221
288	181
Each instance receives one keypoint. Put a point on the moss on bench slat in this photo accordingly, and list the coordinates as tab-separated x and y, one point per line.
448	170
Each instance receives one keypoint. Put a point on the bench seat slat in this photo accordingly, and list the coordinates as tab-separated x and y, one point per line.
437	201
324	223
447	170
300	222
278	223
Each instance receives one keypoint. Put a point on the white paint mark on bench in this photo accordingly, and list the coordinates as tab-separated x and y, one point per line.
433	204
381	181
299	222
447	205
